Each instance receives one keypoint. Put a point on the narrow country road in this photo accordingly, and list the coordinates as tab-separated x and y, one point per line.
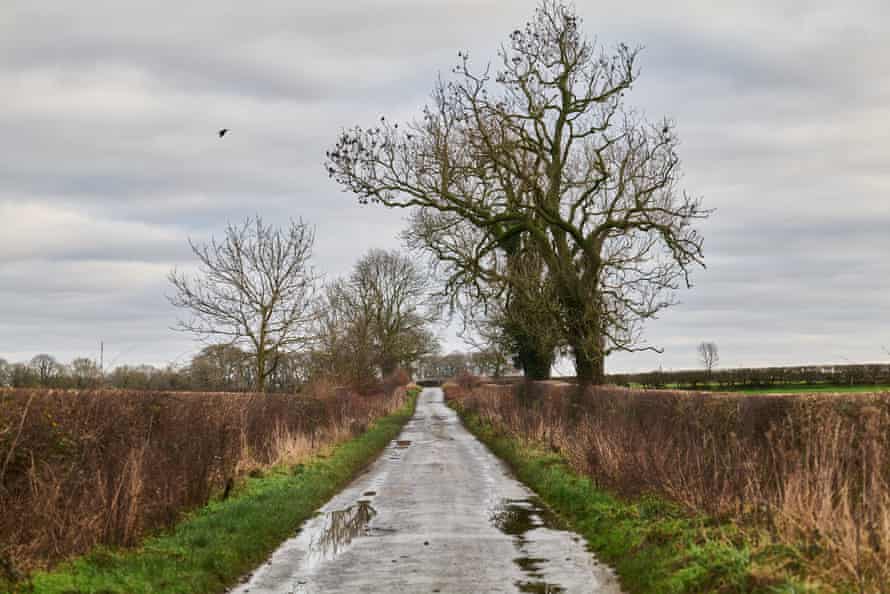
436	513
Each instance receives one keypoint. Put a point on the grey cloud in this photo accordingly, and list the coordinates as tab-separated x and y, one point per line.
110	159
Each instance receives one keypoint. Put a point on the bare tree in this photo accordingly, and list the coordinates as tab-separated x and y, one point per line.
254	289
46	368
343	349
708	355
132	377
221	367
85	373
375	320
526	320
544	149
5	373
491	362
391	293
22	375
445	366
505	298
291	373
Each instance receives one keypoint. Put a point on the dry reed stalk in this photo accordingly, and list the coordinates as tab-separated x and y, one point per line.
82	468
15	440
811	468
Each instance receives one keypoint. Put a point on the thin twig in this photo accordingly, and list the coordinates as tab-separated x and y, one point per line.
15	439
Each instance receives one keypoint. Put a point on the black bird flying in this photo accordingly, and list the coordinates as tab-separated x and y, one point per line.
223	132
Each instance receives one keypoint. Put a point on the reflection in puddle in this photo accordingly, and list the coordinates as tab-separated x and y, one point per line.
339	528
516	517
398	449
540	588
530	565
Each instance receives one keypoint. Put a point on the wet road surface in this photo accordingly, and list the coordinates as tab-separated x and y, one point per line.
437	512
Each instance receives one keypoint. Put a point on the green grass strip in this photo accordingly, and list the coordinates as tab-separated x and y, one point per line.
217	544
654	545
789	388
815	389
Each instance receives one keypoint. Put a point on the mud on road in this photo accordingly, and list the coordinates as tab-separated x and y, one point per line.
437	512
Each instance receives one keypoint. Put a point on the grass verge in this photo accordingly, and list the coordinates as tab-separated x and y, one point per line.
654	546
811	389
217	544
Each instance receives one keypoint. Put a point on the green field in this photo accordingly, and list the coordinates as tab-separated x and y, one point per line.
783	389
810	389
803	389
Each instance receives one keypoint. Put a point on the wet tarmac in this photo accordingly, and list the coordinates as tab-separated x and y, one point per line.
436	513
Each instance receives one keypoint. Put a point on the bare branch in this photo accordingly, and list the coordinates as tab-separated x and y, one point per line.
542	153
255	288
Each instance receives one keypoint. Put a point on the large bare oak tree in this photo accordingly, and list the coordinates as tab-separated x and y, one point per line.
254	289
544	149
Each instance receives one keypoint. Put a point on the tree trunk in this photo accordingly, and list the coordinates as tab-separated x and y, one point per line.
532	357
260	375
535	362
261	369
590	370
585	336
388	368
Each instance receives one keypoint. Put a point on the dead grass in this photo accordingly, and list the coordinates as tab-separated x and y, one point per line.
813	469
82	468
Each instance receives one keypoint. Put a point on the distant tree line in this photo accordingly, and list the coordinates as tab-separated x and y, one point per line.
278	330
490	363
47	371
759	377
227	368
215	368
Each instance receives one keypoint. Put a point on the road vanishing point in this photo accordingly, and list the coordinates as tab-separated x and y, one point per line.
437	512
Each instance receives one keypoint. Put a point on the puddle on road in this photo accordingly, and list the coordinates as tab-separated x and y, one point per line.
540	588
530	565
329	534
397	449
337	531
516	517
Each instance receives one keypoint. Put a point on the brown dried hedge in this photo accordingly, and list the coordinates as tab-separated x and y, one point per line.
814	469
81	468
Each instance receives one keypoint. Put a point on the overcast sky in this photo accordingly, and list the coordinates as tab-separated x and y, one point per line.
109	158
